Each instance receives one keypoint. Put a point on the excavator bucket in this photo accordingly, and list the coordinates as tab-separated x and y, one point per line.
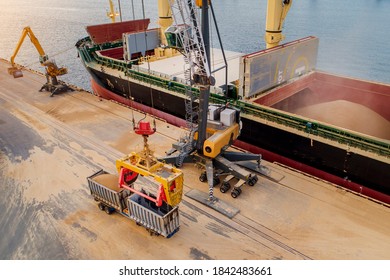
16	72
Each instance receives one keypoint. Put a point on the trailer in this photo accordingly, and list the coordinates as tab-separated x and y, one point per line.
158	220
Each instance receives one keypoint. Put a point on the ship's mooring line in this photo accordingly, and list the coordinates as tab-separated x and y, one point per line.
63	51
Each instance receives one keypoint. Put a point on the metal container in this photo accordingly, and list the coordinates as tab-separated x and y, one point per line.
157	219
163	220
111	197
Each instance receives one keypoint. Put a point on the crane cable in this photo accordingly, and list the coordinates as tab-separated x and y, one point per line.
212	63
120	10
148	61
129	96
56	54
128	80
128	76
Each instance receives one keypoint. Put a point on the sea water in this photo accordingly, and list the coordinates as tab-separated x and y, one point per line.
354	34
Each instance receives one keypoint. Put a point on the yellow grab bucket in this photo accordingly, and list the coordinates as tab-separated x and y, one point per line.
16	72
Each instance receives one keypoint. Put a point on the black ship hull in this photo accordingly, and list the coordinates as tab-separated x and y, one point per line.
362	174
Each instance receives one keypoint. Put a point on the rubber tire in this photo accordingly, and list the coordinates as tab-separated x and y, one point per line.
225	187
108	211
101	206
235	193
252	181
203	177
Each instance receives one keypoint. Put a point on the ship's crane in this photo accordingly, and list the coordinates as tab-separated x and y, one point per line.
52	71
212	127
276	13
112	14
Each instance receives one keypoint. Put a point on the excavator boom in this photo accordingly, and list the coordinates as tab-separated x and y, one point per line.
13	70
52	71
27	31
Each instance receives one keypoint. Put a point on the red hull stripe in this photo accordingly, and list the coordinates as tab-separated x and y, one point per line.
267	155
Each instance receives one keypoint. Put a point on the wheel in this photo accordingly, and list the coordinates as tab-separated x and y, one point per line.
225	187
108	210
203	177
252	181
236	192
216	181
153	233
101	206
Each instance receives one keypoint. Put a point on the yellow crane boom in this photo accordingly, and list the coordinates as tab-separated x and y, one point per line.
52	71
276	13
51	68
112	14
42	56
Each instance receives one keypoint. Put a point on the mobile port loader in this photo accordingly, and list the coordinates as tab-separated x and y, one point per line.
52	70
152	202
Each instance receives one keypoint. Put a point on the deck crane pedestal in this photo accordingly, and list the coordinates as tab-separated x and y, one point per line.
212	127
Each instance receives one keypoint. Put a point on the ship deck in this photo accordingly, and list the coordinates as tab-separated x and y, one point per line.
350	104
49	145
174	66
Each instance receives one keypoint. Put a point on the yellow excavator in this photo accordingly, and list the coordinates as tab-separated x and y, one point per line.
52	71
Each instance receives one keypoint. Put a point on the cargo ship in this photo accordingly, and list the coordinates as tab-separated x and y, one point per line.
278	90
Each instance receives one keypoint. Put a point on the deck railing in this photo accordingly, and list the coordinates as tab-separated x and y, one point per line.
341	136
